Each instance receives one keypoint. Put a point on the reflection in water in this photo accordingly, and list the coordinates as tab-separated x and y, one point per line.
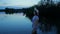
15	24
2	12
18	24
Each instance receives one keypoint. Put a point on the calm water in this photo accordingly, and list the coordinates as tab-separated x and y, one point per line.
2	12
17	24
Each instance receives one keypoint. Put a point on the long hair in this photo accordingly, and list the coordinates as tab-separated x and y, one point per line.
35	13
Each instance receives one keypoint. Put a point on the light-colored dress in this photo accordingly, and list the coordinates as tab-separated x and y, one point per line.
35	20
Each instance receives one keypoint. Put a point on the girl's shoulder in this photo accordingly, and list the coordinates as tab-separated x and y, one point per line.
37	17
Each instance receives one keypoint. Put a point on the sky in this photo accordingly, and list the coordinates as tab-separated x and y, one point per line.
17	3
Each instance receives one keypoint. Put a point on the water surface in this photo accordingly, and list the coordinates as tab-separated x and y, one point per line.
15	24
18	24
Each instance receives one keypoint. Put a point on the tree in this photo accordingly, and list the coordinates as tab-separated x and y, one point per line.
45	2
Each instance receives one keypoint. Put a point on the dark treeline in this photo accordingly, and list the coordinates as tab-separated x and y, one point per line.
27	11
11	10
52	14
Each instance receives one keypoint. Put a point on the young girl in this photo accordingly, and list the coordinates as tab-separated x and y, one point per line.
35	21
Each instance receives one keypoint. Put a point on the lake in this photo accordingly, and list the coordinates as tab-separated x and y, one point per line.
14	24
17	24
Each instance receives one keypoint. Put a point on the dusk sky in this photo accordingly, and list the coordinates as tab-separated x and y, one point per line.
18	3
